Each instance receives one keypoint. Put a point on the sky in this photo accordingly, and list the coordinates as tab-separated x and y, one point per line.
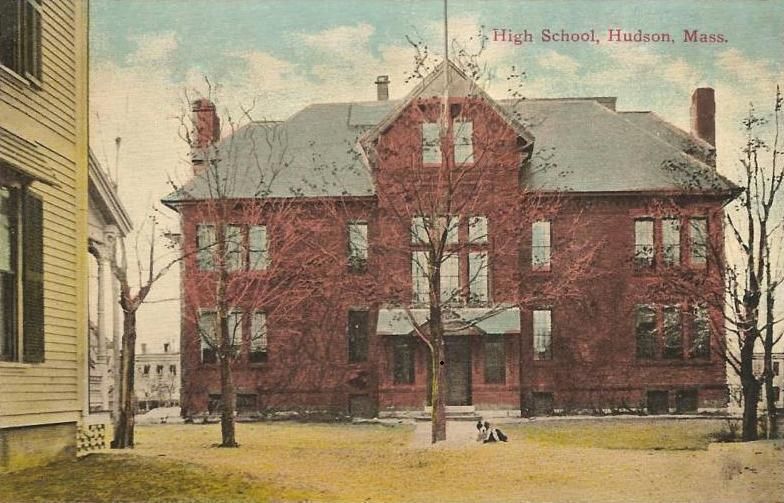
149	57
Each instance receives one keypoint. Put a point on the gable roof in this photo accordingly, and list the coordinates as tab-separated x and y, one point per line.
580	145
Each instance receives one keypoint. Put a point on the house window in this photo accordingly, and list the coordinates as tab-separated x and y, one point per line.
357	246
540	246
477	230
776	368
464	144
671	238
205	246
776	393
673	333
403	360
165	347
431	143
643	243
686	401
146	370
543	331
234	322
495	359
20	37
418	230
159	370
257	248
258	339
450	279
645	331
698	233
234	247
700	347
419	277
173	370
358	336
207	336
21	254
477	277
451	226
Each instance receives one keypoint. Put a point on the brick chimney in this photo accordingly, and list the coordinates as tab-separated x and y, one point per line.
206	131
703	114
205	122
382	87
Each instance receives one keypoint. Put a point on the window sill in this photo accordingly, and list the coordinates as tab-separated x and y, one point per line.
14	365
15	77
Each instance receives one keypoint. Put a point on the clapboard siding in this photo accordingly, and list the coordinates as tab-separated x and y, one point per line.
47	137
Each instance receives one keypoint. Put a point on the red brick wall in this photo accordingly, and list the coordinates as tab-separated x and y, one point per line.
594	363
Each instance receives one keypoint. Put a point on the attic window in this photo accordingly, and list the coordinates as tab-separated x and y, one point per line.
462	132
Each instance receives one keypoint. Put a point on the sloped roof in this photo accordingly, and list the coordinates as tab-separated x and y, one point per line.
580	146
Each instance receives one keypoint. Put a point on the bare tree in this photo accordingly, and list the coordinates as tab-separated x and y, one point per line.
150	266
452	167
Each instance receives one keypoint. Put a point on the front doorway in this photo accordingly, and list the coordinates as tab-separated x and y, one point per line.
458	370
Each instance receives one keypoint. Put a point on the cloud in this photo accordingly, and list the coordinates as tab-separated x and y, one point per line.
557	62
153	48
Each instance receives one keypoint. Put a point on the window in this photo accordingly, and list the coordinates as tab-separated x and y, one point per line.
645	331
671	237
450	280
698	232
205	246
165	347
234	260
643	243
21	254
403	360
431	143
418	230
258	338
477	230
544	403
451	225
159	370
234	322
673	335
257	248
207	335
700	347
495	359
146	370
464	145
477	278
173	370
20	37
776	368
540	246
358	335
686	401
776	393
543	340
419	277
357	246
658	402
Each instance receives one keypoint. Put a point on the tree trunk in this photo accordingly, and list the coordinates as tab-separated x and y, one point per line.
751	388
228	405
438	392
123	428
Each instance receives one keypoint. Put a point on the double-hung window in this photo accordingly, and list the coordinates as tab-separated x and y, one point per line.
431	143
495	359
463	133
450	279
645	331
258	258
357	246
208	336
673	333
543	335
21	275
701	333
258	338
477	277
643	243
20	38
540	246
358	336
671	241
206	241
420	277
234	248
698	234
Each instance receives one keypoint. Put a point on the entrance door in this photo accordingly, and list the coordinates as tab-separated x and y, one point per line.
458	371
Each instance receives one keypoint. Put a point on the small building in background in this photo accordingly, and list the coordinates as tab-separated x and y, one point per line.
157	382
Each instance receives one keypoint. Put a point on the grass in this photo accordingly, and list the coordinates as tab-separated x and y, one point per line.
622	433
587	460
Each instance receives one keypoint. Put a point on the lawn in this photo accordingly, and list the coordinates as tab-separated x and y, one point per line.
593	460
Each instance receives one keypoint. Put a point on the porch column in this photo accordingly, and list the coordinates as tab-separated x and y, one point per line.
103	327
